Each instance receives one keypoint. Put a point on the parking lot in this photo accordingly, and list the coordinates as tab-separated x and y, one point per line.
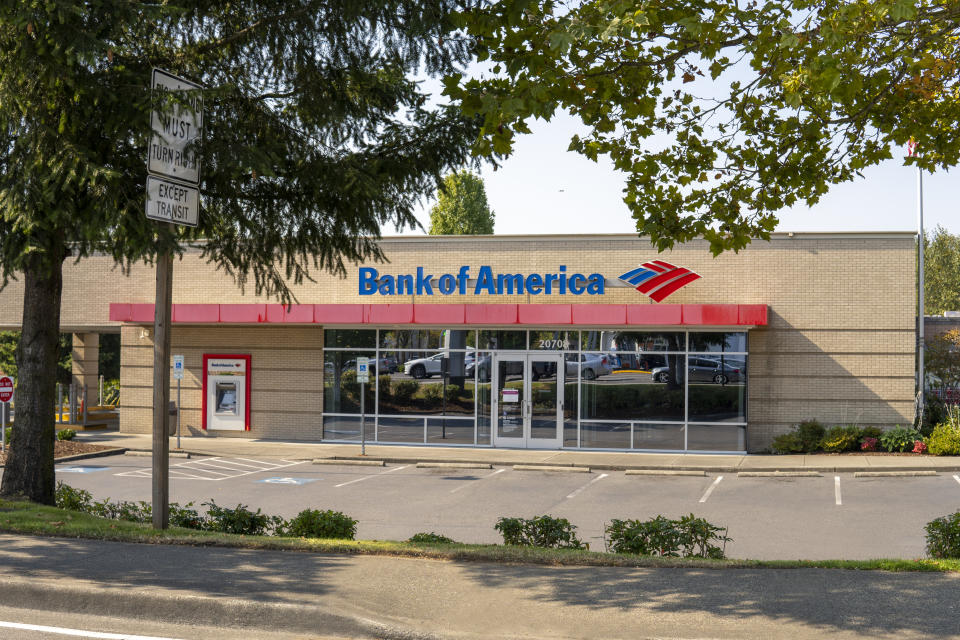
830	516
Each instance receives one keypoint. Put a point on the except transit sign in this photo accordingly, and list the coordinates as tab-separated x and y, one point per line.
171	202
176	132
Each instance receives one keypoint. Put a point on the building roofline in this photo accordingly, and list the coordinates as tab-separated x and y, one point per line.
631	237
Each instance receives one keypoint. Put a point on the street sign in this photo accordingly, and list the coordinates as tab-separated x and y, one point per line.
172	202
177	130
363	369
6	389
178	367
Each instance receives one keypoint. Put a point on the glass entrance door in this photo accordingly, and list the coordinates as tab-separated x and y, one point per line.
528	399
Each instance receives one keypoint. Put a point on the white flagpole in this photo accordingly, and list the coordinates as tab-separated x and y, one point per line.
921	242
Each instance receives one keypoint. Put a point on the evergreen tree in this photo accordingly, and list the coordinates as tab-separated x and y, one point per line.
461	207
315	136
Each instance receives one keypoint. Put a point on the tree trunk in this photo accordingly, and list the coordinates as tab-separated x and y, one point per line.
29	469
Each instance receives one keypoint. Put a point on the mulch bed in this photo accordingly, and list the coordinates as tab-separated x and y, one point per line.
64	448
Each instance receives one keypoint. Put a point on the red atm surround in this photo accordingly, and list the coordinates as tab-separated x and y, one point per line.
234	356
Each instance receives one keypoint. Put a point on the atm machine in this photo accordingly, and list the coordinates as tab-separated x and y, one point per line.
226	392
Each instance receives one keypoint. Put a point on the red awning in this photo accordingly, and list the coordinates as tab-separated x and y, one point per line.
588	315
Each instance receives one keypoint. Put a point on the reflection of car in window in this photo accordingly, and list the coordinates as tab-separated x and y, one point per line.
701	369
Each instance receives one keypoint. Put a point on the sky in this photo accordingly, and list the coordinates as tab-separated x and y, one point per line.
545	189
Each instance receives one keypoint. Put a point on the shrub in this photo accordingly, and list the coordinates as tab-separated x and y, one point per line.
8	434
945	440
432	393
405	390
943	536
66	497
313	523
240	520
898	439
123	510
688	537
840	439
453	392
868	444
384	385
870	432
787	443
934	412
186	517
541	531
66	434
431	538
810	433
919	446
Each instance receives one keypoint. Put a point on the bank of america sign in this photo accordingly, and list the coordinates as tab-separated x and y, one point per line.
658	279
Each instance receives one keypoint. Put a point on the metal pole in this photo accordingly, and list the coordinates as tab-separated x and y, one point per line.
84	405
100	397
161	389
921	238
179	411
59	403
363	421
3	428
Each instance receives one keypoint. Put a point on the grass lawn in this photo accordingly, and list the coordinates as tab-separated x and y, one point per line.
27	518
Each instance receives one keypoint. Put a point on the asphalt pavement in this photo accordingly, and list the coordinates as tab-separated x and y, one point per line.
260	592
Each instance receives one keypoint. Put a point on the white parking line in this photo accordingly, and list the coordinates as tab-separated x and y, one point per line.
269	464
467	484
343	484
77	632
711	488
836	489
201	469
597	479
957	478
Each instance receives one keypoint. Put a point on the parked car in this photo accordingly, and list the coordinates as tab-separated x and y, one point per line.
424	367
591	365
705	370
386	365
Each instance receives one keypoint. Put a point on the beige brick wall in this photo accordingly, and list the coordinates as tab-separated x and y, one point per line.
286	369
839	346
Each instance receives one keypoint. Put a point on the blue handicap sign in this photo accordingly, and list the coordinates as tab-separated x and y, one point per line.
286	480
81	469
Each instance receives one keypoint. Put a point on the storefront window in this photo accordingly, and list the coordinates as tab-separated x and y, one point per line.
554	340
717	389
427	339
497	339
350	338
718	342
716	437
341	391
668	437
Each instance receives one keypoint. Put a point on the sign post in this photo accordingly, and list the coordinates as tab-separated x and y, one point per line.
363	377
6	395
173	197
178	376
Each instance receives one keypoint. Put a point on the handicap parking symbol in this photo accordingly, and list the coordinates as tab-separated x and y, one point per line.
81	469
286	480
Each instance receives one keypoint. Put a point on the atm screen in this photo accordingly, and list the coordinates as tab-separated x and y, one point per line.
227	398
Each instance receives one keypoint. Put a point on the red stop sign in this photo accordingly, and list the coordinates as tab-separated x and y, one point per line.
6	389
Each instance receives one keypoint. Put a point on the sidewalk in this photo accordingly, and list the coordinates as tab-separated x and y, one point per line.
415	599
603	460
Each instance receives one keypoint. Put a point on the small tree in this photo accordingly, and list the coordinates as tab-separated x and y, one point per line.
942	272
461	208
943	358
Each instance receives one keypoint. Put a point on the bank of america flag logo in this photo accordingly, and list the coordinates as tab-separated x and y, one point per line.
658	279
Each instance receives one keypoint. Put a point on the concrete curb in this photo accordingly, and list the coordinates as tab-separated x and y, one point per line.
779	474
166	605
355	463
454	465
664	472
535	467
92	454
893	474
149	454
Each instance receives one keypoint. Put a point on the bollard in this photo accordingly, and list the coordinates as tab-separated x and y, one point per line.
84	405
59	403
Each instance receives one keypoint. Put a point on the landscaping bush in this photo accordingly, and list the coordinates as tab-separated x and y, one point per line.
432	393
945	440
313	523
898	439
870	432
868	444
541	531
687	537
240	520
8	434
787	443
122	510
919	446
453	392
431	538
384	385
405	390
186	517
943	536
66	497
66	434
934	412
810	433
839	439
